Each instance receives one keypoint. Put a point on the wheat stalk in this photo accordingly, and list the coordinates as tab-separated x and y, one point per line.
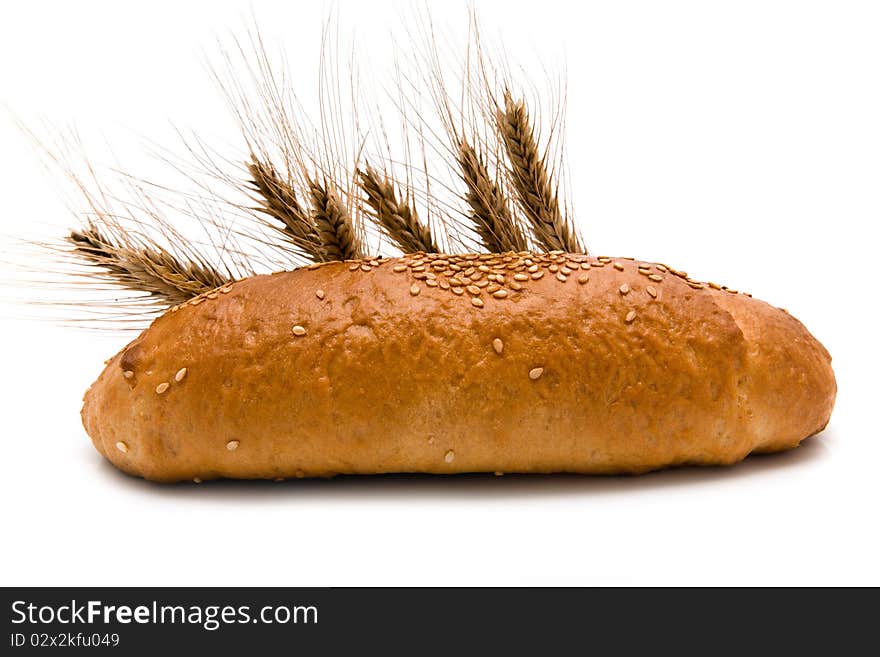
278	200
333	223
535	190
490	212
145	268
398	220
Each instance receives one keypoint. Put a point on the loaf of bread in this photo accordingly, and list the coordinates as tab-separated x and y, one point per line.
505	363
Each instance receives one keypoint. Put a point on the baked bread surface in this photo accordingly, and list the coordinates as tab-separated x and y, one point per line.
468	363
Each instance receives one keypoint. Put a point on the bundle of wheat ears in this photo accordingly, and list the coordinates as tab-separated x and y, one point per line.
308	205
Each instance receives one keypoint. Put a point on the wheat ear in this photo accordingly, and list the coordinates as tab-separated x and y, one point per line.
145	267
333	223
278	200
490	212
535	190
399	221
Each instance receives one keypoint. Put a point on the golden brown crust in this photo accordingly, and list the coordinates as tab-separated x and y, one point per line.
566	363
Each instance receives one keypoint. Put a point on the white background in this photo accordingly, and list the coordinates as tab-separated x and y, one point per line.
739	141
